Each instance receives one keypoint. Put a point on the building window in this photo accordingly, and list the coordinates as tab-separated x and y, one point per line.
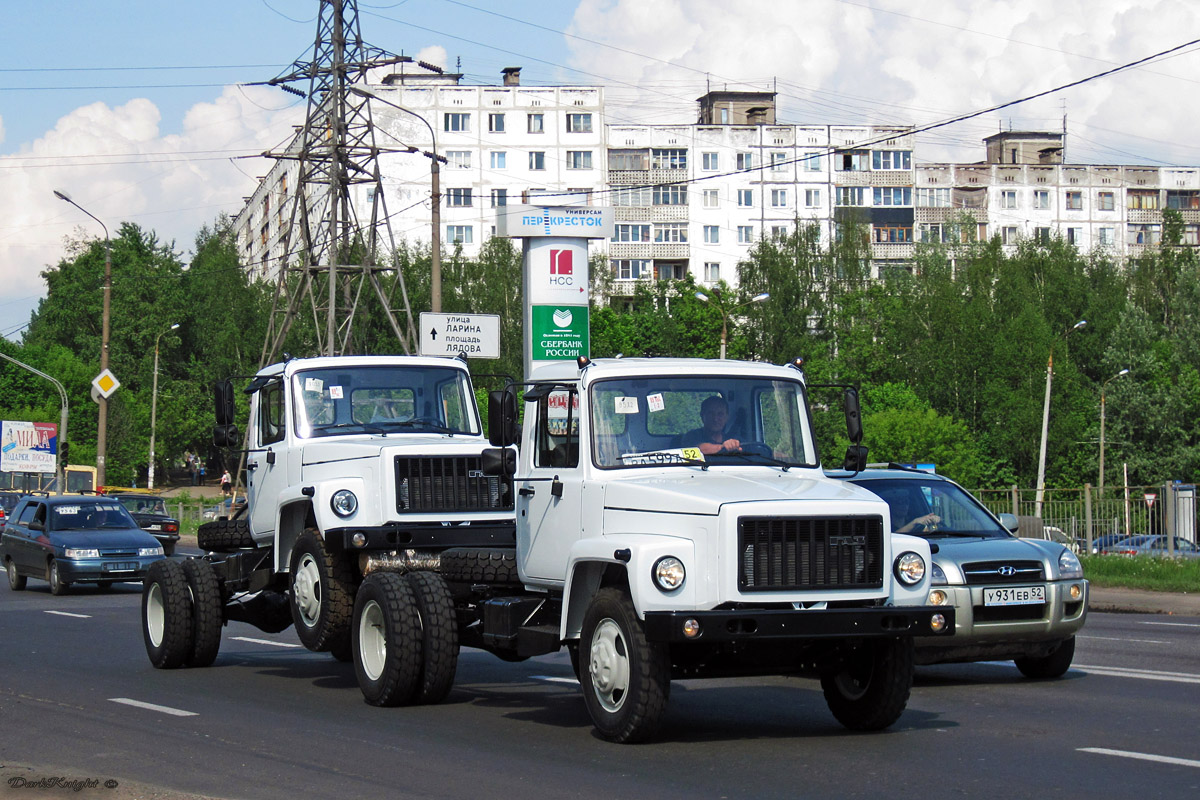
631	268
1145	234
635	197
1075	236
1144	199
671	233
1106	201
933	198
710	162
893	196
459	159
579	123
745	234
626	232
853	160
669	158
1186	200
931	232
778	162
711	198
1008	234
495	123
1074	201
458	198
779	231
778	198
672	194
712	271
812	162
456	122
1191	235
667	272
1008	198
628	160
537	160
745	198
893	234
579	159
499	159
1041	235
712	234
536	123
851	195
499	198
891	159
745	161
459	234
1041	198
812	198
1108	236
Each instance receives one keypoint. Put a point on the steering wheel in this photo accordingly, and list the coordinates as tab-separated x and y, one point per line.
757	449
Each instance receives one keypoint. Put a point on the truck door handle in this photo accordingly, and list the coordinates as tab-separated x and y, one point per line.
526	491
270	456
251	465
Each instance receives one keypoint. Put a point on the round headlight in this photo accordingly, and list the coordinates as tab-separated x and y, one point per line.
1069	566
910	568
343	502
669	573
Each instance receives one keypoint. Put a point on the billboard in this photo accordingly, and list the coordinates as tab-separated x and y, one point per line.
28	446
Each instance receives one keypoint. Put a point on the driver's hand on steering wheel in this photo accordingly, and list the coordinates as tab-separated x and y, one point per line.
929	520
731	446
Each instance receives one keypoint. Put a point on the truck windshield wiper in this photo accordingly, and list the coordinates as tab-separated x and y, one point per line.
419	422
336	425
772	460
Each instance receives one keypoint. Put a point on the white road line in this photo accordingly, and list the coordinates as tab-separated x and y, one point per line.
69	614
554	679
175	712
1104	751
264	641
1143	674
1121	639
1173	624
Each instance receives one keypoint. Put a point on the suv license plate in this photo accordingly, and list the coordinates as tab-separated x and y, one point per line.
1014	596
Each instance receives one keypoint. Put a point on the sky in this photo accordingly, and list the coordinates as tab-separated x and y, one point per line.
145	112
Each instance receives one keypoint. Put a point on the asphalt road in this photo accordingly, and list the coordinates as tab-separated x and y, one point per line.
79	699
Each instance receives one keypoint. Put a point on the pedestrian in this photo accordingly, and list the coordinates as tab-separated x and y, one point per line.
226	484
201	473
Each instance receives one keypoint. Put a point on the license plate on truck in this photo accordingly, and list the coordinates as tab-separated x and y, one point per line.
1014	596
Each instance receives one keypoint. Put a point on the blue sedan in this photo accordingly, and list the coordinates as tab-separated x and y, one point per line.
74	539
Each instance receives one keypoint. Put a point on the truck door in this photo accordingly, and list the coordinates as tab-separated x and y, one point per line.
266	463
550	498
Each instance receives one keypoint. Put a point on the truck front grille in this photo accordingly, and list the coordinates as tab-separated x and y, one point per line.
454	483
810	553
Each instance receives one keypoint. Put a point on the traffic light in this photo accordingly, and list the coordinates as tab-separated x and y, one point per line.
63	451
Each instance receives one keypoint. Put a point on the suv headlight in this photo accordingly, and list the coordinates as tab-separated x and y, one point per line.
937	576
669	573
80	552
1069	566
910	568
343	502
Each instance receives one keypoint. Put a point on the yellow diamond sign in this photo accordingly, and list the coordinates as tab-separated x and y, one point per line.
105	384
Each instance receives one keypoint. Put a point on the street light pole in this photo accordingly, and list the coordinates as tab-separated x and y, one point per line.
60	474
758	298
154	407
102	421
1110	380
1041	477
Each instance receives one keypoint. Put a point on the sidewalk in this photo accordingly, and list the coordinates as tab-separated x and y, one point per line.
1138	601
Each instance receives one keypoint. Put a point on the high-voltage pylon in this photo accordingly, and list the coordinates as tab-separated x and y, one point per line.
335	151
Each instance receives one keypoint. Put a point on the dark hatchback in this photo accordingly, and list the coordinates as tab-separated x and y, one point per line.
150	513
72	539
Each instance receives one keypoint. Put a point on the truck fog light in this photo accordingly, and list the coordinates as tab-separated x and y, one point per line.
937	598
1076	591
910	568
359	539
937	622
669	573
691	628
343	502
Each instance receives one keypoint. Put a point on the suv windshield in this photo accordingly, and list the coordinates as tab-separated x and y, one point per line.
85	515
932	508
383	399
700	420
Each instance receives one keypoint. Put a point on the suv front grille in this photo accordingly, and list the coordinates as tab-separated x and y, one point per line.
993	572
810	553
453	483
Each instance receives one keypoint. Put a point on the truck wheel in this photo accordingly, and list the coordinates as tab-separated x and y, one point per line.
490	565
166	615
57	585
439	636
15	582
386	640
207	612
870	689
224	536
322	593
626	680
1054	665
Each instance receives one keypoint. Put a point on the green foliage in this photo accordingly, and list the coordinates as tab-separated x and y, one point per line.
1143	572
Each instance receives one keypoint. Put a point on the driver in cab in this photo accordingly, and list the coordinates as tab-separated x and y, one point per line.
711	438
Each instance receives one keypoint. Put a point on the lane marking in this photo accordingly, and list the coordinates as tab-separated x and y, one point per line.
554	679
69	614
1173	624
1144	674
175	712
1104	751
1122	639
263	641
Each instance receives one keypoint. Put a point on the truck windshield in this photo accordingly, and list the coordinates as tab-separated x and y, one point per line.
383	399
710	419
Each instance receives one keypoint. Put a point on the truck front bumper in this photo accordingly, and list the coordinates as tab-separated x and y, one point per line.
419	536
742	625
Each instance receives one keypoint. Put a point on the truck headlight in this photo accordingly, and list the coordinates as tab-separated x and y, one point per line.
80	552
910	568
1069	566
343	502
669	573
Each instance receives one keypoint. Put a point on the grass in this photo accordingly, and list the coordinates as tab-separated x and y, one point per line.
1143	572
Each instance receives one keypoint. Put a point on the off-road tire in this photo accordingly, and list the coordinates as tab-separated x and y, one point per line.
224	536
1054	665
439	636
208	607
626	680
167	615
322	593
870	690
15	582
58	586
490	565
386	640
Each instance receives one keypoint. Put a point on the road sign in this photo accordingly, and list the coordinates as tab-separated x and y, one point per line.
1150	498
105	384
477	335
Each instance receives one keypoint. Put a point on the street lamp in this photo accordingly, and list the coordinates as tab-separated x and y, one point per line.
435	290
61	473
1041	478
154	406
1106	383
102	422
725	312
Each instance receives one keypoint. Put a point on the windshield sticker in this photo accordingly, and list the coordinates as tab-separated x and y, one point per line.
335	393
314	385
677	456
654	402
694	453
626	405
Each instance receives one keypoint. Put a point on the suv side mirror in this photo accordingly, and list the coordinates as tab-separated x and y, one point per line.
502	418
223	402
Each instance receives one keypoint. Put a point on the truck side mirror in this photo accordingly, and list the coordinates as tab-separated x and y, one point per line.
502	417
856	458
499	461
226	436
223	402
854	429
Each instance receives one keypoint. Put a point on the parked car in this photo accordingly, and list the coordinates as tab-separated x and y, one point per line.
1107	540
8	501
150	512
74	539
1149	545
1019	599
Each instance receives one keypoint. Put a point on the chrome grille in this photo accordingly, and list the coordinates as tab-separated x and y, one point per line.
454	483
1001	572
809	553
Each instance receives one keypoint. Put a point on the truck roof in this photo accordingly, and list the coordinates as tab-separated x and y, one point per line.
619	367
325	362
